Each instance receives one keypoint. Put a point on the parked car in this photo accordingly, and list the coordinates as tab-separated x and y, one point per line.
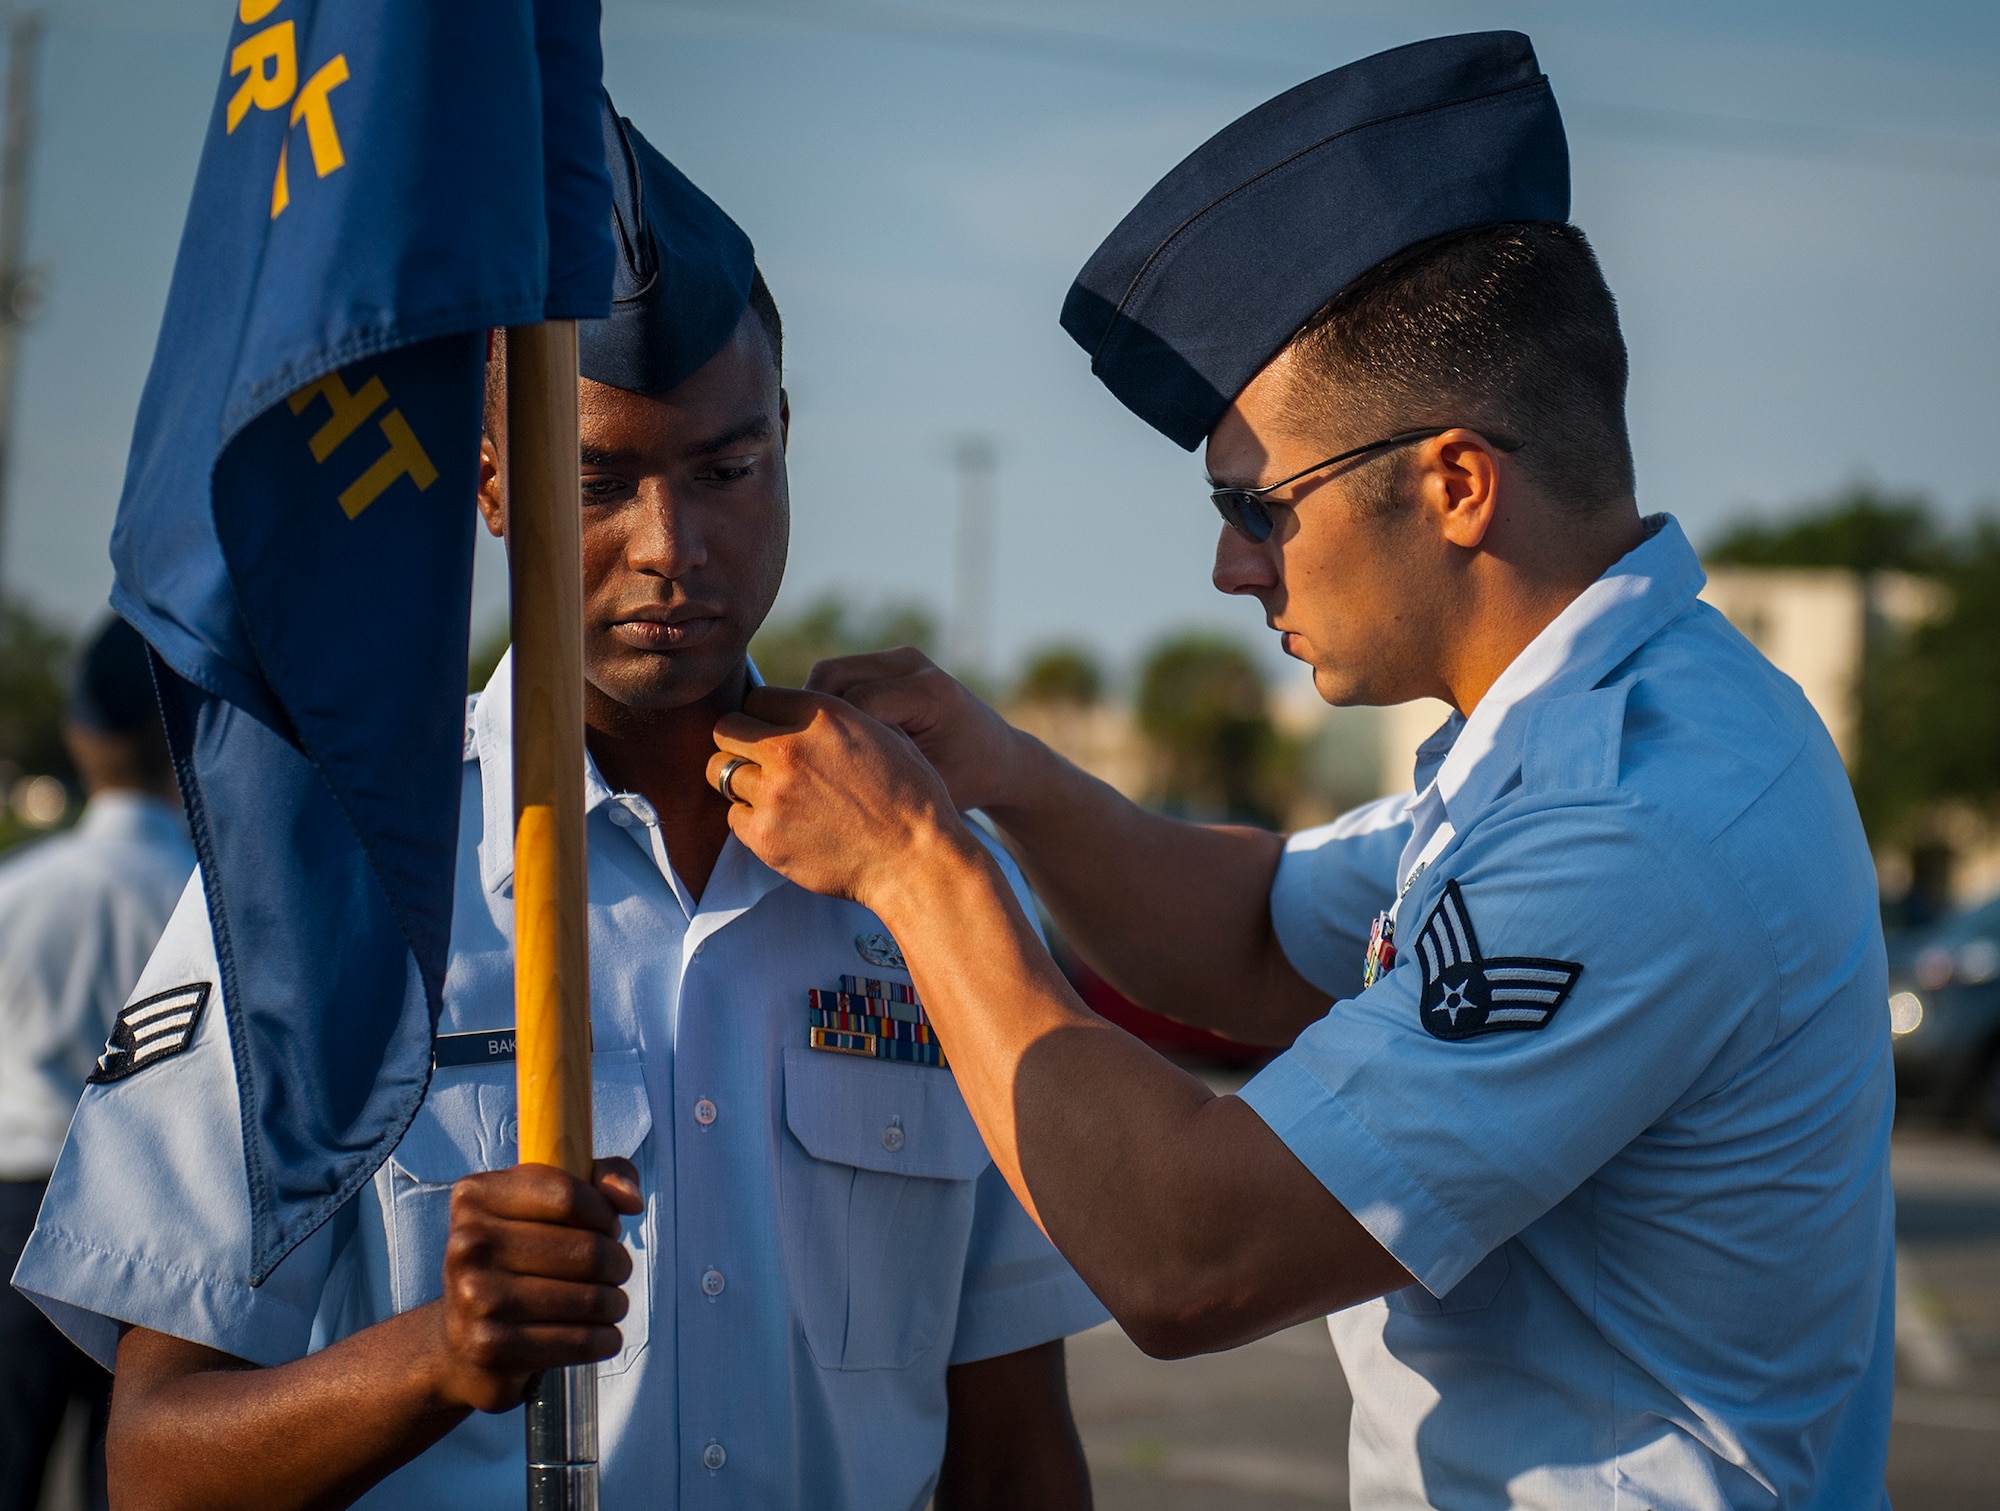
1944	1010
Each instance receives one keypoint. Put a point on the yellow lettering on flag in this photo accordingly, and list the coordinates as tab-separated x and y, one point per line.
270	59
250	12
281	188
405	455
313	107
345	412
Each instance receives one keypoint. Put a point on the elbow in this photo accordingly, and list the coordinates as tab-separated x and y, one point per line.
1178	1311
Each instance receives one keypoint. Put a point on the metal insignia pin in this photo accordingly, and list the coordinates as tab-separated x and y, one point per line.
879	949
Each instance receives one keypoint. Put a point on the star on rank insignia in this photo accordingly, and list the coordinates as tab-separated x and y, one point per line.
149	1031
1467	994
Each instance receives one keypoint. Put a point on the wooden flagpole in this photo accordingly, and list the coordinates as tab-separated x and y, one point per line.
551	948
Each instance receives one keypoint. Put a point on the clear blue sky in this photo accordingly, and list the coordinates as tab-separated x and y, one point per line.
1797	203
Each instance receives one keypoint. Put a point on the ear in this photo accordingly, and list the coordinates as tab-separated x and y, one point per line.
1459	482
492	489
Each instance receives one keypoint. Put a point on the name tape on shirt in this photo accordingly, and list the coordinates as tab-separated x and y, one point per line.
495	1047
1467	994
150	1030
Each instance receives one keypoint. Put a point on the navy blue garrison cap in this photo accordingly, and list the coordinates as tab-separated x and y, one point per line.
1239	246
683	275
112	691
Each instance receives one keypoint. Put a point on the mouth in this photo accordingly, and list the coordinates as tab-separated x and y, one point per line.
658	630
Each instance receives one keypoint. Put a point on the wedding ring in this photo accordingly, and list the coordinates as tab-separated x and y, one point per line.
724	783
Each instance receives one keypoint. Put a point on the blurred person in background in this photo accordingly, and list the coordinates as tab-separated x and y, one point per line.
79	915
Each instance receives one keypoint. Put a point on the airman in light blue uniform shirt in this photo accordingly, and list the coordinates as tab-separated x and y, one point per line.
823	1235
1591	1316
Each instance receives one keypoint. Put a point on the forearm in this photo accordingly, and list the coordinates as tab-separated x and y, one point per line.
1009	1438
1181	1210
1176	916
304	1436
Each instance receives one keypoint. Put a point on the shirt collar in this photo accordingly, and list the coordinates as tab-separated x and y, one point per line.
123	813
738	882
1645	590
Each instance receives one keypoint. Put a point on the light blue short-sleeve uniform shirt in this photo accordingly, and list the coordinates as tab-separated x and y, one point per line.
1622	1104
824	1235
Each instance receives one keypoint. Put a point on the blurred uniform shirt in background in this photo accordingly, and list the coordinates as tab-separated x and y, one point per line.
80	913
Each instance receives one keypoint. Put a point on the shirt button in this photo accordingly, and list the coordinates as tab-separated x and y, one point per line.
510	1131
621	816
892	1136
714	1456
704	1112
712	1283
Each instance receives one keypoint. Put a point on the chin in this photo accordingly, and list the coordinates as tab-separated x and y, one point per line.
663	680
1338	688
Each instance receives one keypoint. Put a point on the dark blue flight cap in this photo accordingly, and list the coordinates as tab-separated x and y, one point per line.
1218	267
112	690
683	274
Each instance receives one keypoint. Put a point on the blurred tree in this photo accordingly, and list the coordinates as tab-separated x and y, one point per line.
1929	697
34	687
786	649
1063	673
1202	705
1861	529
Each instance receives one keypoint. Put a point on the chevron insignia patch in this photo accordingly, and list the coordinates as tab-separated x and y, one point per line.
1467	994
150	1031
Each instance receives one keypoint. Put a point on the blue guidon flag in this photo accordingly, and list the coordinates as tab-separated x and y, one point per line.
382	183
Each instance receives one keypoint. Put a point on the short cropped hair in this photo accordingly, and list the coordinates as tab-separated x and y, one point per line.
1508	329
765	308
762	305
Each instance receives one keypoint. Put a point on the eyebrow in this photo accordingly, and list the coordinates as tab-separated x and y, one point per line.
756	428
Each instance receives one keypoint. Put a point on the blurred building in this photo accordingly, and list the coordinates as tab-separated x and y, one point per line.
1103	738
1816	624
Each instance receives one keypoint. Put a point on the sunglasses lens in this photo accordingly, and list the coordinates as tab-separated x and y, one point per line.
1244	514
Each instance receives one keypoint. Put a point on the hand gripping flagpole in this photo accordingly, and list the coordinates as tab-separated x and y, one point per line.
551	951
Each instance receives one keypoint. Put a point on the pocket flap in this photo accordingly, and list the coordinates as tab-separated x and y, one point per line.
468	1123
899	1119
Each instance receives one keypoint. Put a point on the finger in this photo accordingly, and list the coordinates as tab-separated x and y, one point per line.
536	1300
836	675
618	1179
506	1348
536	1193
788	707
743	785
493	1246
900	701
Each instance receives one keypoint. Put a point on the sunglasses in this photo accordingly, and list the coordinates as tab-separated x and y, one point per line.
1247	512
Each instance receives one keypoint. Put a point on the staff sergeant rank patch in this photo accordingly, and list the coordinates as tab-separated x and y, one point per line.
150	1031
1466	994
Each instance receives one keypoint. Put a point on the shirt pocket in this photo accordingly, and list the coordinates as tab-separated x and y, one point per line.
468	1124
877	1185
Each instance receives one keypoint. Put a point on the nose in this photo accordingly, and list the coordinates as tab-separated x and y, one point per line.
1243	566
666	539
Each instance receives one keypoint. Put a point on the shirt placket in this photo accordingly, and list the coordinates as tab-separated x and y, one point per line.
712	1275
